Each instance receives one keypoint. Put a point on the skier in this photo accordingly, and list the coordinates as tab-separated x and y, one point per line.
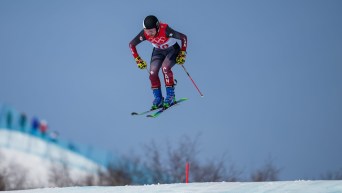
166	53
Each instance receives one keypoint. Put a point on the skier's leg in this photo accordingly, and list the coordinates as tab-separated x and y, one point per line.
167	72
167	65
156	63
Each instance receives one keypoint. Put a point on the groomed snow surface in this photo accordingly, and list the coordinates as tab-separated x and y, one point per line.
218	187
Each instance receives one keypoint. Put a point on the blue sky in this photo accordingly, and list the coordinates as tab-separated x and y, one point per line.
270	72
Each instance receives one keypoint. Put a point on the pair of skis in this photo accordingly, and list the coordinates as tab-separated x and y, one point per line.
152	114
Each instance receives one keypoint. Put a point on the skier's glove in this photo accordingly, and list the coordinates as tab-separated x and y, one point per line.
141	63
181	57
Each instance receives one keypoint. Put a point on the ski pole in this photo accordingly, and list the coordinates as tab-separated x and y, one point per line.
193	82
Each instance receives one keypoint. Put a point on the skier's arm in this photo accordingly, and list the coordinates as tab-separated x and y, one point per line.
177	35
132	45
137	40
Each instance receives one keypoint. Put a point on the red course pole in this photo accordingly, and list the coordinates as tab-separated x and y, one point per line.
187	168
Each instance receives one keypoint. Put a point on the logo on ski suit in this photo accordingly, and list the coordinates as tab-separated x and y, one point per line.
161	41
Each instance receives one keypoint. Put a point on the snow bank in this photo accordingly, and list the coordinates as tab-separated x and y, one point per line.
37	156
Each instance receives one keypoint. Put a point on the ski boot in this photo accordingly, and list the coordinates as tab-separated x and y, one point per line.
158	99
170	98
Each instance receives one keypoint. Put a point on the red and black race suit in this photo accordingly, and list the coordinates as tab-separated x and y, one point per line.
164	53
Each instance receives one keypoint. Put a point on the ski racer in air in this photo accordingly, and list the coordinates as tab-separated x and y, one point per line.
166	53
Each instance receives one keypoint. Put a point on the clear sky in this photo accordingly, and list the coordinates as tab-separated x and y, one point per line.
270	71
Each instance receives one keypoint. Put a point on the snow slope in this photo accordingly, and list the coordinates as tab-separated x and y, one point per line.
219	187
37	156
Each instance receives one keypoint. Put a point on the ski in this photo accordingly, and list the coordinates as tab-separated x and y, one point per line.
156	114
144	113
151	110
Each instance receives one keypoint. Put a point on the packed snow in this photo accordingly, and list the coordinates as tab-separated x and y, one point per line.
217	187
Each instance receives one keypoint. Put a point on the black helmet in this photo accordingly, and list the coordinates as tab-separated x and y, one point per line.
151	22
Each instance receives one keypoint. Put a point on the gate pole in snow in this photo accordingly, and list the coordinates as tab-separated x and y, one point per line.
187	168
